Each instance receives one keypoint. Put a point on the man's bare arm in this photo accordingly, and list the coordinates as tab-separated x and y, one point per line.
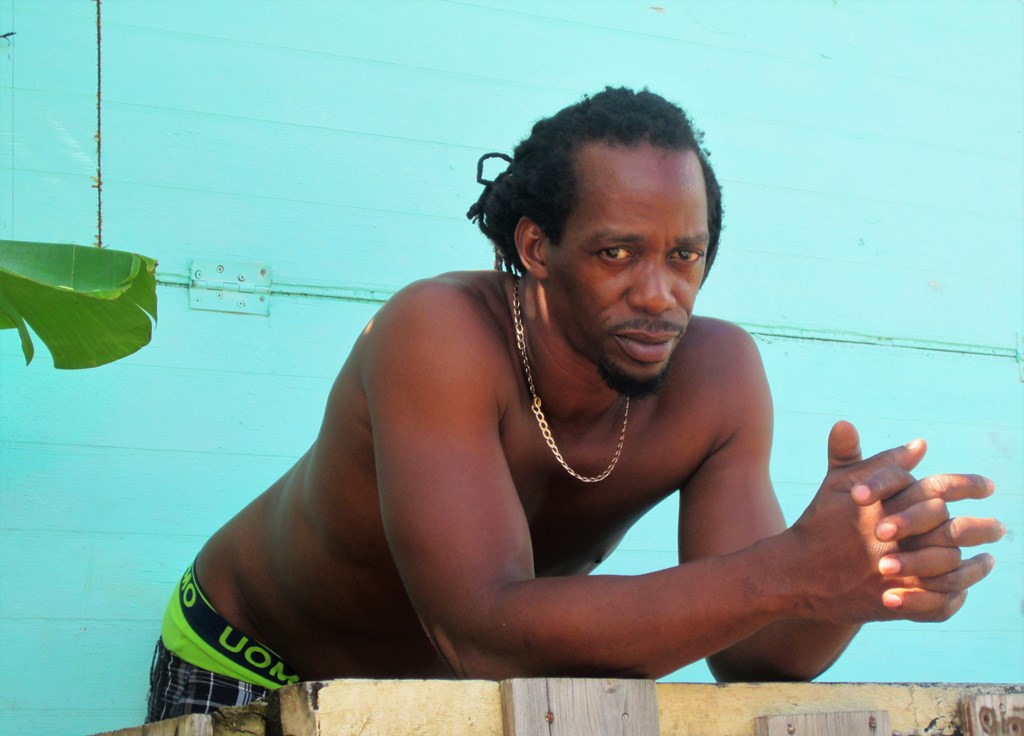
730	504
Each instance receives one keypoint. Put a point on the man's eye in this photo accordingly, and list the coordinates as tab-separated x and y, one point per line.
690	256
615	254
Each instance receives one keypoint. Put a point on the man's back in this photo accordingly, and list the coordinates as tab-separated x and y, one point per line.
307	565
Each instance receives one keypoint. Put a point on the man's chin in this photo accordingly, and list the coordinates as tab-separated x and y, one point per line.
635	387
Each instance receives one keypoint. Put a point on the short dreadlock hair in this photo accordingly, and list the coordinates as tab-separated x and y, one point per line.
541	183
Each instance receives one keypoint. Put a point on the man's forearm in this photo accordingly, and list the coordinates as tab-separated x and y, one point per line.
647	626
793	649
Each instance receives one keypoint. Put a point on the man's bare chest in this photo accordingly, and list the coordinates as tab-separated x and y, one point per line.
575	525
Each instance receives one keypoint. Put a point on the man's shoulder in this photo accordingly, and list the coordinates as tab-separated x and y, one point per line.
469	293
712	342
716	389
718	328
452	318
718	366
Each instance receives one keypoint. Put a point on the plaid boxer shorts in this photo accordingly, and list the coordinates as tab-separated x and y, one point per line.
177	688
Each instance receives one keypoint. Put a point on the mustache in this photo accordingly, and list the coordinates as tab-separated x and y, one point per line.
651	325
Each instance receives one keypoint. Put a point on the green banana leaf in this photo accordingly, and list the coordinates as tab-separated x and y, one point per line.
90	306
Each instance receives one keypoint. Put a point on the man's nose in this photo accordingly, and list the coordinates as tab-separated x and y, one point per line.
653	292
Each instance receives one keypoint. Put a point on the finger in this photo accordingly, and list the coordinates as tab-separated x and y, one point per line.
948	487
916	604
967	574
927	562
916	521
881	484
840	455
960	531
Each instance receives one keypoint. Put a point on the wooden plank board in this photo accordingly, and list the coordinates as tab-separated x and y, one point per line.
402	708
567	707
236	163
997	714
835	723
729	710
760	30
247	720
780	57
196	492
291	380
97	670
839	228
191	725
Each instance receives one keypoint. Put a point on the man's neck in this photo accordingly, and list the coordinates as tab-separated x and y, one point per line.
568	383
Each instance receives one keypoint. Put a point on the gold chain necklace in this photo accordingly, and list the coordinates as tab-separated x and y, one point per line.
545	430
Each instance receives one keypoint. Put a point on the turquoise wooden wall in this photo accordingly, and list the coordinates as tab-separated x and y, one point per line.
871	160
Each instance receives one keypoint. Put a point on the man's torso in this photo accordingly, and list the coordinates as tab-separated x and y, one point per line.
307	569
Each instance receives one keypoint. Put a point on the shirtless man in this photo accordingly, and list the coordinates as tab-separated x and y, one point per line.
445	520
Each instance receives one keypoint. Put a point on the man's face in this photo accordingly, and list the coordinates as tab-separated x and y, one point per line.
624	278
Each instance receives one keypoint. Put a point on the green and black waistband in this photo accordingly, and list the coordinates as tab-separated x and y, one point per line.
194	631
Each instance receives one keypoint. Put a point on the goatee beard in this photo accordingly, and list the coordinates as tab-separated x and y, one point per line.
637	388
626	385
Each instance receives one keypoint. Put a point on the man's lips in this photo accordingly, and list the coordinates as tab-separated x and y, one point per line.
647	347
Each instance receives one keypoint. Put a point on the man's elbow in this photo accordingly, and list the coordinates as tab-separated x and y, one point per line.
731	670
470	659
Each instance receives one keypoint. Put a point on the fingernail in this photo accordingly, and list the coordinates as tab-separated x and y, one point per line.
1002	529
889	566
891	600
990	484
885	531
860	493
915	444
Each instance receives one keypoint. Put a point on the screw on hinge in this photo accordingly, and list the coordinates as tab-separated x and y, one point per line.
241	277
220	269
549	717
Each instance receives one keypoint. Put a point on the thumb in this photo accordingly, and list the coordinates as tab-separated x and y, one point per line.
843	445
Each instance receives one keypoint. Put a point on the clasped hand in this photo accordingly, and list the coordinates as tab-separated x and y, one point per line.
906	528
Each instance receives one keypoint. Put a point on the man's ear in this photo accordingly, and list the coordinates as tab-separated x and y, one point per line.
532	245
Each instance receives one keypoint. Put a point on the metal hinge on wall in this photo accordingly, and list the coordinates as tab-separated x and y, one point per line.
221	286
